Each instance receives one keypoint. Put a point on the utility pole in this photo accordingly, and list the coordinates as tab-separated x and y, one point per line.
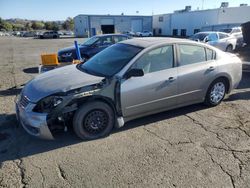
202	7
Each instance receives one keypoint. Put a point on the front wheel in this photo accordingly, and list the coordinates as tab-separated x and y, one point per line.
93	120
216	92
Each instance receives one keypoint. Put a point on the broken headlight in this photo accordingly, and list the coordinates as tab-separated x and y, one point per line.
47	104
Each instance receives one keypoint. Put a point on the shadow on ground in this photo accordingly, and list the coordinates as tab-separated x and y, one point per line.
20	144
10	92
32	70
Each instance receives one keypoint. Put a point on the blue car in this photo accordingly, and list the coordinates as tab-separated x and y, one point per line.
91	47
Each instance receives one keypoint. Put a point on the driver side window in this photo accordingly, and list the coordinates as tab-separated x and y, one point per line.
155	60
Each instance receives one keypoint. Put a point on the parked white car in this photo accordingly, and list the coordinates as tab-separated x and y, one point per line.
144	34
237	33
220	40
233	30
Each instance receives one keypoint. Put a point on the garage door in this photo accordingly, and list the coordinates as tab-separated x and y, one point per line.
136	25
107	21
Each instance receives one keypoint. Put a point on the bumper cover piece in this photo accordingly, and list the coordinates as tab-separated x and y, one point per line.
34	123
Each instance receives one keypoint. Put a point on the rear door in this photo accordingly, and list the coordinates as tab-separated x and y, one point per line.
154	91
224	41
196	70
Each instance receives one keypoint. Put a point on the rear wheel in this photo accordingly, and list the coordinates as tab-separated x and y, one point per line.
229	48
93	120
216	92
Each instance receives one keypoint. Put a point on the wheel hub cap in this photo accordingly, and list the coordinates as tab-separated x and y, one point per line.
217	92
96	121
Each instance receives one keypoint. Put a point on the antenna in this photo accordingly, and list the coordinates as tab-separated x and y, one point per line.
202	6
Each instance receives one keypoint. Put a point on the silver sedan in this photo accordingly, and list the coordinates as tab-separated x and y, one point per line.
221	40
128	80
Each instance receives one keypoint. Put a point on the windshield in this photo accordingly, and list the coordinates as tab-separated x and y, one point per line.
91	41
111	60
199	36
226	30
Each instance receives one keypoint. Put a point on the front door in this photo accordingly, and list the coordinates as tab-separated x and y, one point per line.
154	91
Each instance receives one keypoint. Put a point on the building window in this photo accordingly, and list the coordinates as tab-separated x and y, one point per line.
196	31
183	32
161	19
160	31
175	32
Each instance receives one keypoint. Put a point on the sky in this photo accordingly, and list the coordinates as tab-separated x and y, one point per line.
49	10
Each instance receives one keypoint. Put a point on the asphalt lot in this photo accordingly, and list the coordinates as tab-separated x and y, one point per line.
193	146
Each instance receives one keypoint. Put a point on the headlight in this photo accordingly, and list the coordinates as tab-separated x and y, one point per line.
47	104
57	101
67	54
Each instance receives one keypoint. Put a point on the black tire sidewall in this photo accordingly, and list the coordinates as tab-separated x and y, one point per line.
83	111
229	48
208	101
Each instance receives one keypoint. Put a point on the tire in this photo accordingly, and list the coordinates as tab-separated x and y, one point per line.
229	48
86	124
85	57
216	92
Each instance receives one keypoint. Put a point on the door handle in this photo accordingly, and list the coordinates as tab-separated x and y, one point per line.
211	68
171	79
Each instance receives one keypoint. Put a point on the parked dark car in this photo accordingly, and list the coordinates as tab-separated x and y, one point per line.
49	35
91	47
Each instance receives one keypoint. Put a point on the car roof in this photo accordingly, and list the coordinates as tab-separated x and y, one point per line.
104	35
151	41
209	32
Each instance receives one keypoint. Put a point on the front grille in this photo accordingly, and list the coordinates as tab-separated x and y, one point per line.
24	101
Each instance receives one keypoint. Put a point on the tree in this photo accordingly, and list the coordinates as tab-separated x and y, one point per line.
18	27
48	25
52	26
28	26
37	25
68	24
6	26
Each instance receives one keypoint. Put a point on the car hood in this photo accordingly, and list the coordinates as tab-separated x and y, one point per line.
59	80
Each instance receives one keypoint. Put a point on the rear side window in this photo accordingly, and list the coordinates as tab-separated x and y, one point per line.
119	38
190	54
222	36
210	54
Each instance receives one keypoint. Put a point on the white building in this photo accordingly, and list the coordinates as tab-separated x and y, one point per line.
89	25
187	22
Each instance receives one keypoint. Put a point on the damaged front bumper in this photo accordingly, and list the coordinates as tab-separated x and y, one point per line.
34	123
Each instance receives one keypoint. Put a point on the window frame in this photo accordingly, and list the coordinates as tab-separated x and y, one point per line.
161	19
178	54
213	55
175	32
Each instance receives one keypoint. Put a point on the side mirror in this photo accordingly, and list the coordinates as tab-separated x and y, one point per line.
134	73
207	39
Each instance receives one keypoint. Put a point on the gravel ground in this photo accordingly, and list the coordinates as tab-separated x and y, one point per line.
193	146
